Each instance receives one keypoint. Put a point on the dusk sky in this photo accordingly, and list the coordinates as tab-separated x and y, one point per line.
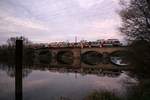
59	20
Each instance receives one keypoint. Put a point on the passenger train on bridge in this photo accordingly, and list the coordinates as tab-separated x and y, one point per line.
84	43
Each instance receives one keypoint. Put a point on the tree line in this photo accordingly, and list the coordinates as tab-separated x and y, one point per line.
7	52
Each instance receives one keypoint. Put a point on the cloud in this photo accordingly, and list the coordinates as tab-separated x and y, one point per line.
50	20
117	1
9	20
26	23
88	3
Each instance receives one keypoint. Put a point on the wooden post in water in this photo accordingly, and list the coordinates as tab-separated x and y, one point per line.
18	69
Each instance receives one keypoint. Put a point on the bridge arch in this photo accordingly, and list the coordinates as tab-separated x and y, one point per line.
65	57
45	56
120	58
91	57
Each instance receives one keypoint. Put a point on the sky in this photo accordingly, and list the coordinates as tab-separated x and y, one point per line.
59	20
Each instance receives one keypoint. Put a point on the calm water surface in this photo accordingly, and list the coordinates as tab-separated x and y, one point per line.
52	84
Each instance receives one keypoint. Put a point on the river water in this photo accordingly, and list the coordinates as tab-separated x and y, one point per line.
51	84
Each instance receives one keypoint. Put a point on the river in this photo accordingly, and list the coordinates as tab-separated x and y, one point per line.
52	84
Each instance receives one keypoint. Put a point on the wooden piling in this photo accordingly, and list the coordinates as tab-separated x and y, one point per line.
18	69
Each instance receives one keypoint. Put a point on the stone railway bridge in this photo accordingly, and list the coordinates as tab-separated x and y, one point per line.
77	53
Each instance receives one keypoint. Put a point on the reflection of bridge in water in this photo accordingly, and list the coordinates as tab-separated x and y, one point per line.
27	69
86	57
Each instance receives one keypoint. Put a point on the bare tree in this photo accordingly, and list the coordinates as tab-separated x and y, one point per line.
12	40
136	19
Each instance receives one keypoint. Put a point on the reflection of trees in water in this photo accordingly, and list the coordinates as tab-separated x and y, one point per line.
10	70
25	72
